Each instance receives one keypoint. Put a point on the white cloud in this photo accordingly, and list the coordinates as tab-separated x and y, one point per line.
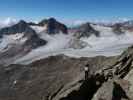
77	22
7	22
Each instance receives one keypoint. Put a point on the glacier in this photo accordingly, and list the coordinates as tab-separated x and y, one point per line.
108	44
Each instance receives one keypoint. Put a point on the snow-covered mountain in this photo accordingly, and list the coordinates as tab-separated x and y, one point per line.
17	40
27	42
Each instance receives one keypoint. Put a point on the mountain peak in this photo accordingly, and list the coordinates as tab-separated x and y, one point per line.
43	22
20	27
53	26
52	19
86	30
22	22
46	21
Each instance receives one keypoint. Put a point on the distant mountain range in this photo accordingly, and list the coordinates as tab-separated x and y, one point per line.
20	38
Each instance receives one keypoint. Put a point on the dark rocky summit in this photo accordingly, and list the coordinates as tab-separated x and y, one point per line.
118	28
21	27
43	22
16	50
53	26
128	23
32	23
86	30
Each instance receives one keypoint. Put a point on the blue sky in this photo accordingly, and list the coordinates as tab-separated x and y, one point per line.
66	9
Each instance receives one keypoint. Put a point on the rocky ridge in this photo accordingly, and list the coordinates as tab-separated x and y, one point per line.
45	79
53	26
86	30
20	39
109	83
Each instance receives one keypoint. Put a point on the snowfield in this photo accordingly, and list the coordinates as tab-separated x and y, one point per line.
108	44
56	44
8	40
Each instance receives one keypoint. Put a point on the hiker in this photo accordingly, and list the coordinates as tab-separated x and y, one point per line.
86	69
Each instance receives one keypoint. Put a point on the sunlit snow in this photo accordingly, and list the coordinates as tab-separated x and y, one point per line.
108	44
12	39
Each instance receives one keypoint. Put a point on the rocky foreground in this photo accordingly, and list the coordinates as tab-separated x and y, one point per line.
62	78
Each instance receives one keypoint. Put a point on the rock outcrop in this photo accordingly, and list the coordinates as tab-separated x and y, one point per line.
53	26
86	30
23	28
20	27
112	82
24	40
118	29
120	86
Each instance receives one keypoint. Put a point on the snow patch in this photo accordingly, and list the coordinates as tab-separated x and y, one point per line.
38	29
56	43
7	40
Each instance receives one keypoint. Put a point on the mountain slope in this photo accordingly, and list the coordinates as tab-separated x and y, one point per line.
107	44
86	30
111	82
43	79
53	26
18	40
62	78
